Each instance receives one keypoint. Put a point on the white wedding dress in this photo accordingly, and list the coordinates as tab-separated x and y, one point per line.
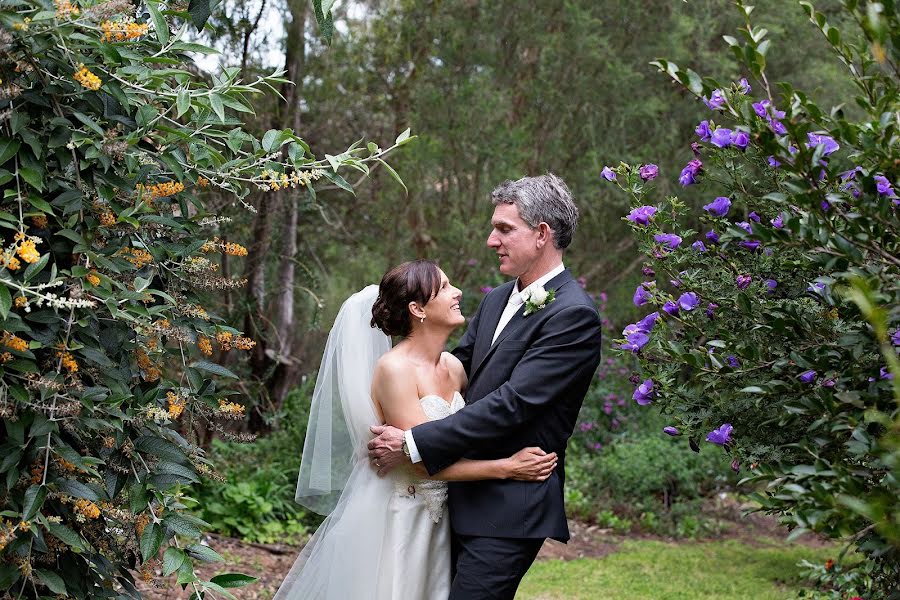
408	559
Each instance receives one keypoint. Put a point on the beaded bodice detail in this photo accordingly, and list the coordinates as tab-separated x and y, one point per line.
432	493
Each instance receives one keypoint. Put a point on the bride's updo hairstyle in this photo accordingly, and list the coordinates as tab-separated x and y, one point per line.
415	281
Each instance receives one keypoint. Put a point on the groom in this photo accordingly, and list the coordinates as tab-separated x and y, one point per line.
528	374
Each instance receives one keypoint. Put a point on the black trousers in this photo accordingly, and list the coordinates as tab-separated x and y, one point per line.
488	568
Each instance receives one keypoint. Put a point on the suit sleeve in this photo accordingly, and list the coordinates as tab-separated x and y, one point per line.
568	348
467	342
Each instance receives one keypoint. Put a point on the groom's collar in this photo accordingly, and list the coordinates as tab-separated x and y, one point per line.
541	281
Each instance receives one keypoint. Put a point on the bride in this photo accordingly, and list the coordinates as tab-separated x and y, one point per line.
387	538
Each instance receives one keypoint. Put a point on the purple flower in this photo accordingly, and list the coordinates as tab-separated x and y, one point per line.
736	466
761	108
745	226
635	341
883	373
596	446
670	308
754	217
816	288
648	172
695	148
829	383
608	174
647	323
644	393
816	139
669	430
721	137
751	245
670	240
720	436
688	301
711	309
641	215
777	126
648	271
718	207
486	289
641	295
703	131
777	222
773	163
712	236
740	139
744	85
732	361
743	281
895	337
675	282
607	408
586	426
824	205
689	172
698	246
883	185
716	100
771	284
808	376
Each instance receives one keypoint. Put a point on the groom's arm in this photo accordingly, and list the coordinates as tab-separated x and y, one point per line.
569	348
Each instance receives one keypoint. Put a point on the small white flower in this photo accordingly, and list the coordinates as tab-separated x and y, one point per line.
536	299
538	295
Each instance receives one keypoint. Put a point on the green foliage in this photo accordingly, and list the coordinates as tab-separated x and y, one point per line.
802	371
109	147
256	500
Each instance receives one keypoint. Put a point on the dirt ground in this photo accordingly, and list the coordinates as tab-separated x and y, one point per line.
270	562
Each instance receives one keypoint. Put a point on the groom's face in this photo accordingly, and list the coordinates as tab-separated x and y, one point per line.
513	240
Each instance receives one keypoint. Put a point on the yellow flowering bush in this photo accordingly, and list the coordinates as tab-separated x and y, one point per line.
109	147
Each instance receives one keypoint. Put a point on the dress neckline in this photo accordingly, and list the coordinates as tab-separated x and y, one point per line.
444	400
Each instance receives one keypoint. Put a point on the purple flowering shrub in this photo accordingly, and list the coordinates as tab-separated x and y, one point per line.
785	354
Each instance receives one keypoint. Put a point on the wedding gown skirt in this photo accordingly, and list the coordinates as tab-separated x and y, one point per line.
387	539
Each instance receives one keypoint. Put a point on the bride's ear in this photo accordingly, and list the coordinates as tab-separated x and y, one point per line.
415	310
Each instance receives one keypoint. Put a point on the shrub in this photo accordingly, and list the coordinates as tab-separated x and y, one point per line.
108	144
779	343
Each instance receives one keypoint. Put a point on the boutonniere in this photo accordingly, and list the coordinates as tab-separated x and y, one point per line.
536	299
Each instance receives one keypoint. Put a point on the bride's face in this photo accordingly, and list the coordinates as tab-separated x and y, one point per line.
443	308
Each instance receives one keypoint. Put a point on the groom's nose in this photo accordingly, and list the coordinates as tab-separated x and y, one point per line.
493	240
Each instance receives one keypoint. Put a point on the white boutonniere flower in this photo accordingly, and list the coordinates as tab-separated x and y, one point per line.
536	299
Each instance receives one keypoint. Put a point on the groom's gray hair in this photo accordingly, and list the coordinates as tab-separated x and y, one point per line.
545	198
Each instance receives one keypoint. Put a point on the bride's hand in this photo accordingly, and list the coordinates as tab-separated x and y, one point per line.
531	464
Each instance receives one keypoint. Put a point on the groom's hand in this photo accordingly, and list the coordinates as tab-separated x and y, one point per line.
386	449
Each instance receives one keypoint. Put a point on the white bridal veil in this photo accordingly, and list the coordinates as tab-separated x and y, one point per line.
345	556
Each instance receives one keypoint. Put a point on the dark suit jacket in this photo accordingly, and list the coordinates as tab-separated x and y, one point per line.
524	390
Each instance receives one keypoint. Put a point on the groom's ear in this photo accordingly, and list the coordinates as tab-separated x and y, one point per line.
544	234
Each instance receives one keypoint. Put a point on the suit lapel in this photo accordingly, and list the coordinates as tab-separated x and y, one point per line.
514	323
489	322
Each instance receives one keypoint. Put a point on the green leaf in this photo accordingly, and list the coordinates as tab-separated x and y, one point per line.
159	23
213	368
34	499
215	101
186	573
325	21
77	489
35	268
66	535
183	101
204	553
51	580
402	137
91	124
233	580
5	301
270	140
9	574
159	448
200	11
394	174
151	539
33	177
173	558
181	525
8	148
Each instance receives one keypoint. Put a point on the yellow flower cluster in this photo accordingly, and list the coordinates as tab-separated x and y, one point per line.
37	473
232	409
87	79
107	218
120	31
9	261
149	370
11	341
176	404
230	248
27	251
161	190
196	311
228	341
23	25
202	181
273	180
21	301
92	277
68	361
5	357
87	508
64	464
141	522
39	221
139	258
65	9
7	533
204	345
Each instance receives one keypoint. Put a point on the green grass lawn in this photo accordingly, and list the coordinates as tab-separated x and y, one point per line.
655	570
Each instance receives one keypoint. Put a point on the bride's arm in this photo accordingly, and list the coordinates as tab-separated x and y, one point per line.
394	391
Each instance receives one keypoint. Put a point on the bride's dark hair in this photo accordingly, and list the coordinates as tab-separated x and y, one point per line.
413	281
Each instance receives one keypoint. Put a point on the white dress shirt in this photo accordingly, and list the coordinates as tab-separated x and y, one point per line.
515	302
